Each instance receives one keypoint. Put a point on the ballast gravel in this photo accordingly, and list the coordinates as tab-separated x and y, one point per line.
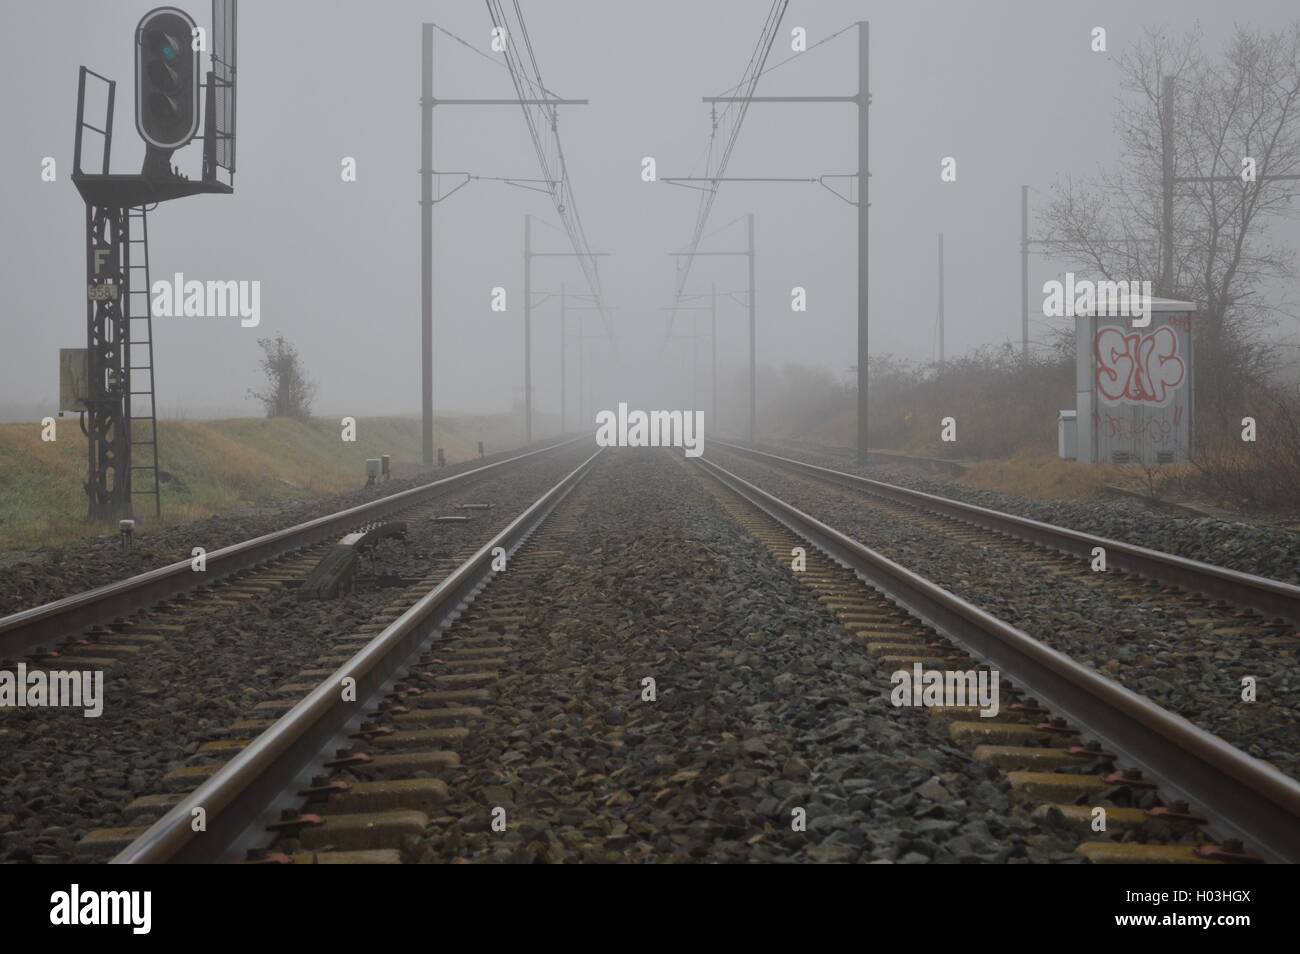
763	706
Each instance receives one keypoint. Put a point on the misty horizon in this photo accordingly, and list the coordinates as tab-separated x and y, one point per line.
339	261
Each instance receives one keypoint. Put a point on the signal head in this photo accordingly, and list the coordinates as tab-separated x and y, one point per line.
166	78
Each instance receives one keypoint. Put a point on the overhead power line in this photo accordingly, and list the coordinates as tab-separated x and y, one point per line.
754	69
543	128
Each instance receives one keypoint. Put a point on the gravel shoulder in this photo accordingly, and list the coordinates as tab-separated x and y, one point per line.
34	577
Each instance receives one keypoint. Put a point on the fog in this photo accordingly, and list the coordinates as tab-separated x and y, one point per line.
1012	91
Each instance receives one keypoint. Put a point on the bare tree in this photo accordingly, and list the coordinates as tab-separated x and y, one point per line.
1245	104
288	392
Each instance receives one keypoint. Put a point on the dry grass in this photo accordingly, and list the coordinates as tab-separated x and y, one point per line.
1001	405
215	466
1264	473
1040	476
1006	420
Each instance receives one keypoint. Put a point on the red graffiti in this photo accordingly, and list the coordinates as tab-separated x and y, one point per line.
1136	368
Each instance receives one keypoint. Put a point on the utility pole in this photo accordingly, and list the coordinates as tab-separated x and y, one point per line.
864	233
713	337
1024	274
1168	104
584	386
563	397
582	338
861	99
694	363
426	243
712	309
752	354
749	254
427	202
528	329
940	298
694	339
1166	286
529	255
1168	182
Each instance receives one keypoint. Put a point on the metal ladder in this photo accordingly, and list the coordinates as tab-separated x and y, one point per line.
141	407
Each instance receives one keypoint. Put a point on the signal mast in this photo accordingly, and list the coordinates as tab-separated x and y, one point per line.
111	382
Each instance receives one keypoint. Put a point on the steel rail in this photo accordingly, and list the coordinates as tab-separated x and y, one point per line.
1272	598
1242	796
247	791
62	619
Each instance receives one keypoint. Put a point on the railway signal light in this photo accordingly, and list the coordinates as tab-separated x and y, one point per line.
166	78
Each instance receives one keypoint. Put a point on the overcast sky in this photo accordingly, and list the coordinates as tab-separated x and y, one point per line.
1010	89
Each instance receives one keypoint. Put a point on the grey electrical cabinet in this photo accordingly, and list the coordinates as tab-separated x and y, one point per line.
1133	392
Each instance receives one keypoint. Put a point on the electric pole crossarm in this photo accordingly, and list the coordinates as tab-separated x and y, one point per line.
529	255
427	102
506	102
685	182
779	99
738	179
518	182
862	100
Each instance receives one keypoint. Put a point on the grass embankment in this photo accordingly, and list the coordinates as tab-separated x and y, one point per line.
1044	477
1004	414
217	467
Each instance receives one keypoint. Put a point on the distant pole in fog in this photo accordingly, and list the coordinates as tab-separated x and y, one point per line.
941	298
529	255
1024	274
563	394
713	337
752	302
862	100
1167	92
427	202
528	329
748	253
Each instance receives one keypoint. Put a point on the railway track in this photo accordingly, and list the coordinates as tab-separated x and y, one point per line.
1277	603
1201	657
376	777
99	626
247	803
1071	738
173	676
